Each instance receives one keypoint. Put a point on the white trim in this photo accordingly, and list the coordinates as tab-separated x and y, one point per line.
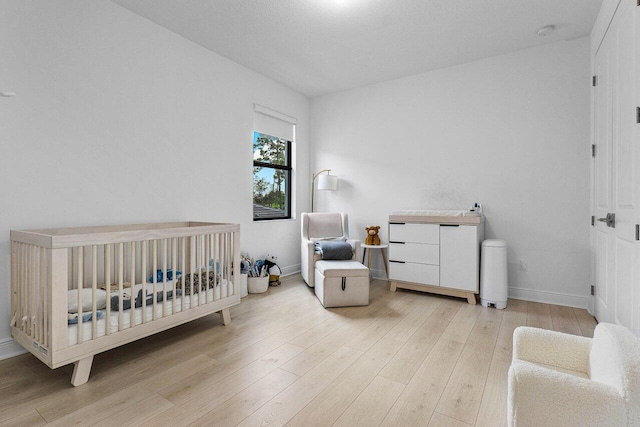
290	270
547	297
275	114
378	274
10	348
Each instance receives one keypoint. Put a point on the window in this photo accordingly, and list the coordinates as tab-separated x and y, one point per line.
271	177
273	164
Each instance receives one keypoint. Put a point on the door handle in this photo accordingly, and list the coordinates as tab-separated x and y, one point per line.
610	220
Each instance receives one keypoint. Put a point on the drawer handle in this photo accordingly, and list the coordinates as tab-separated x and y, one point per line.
397	243
398	223
399	262
449	225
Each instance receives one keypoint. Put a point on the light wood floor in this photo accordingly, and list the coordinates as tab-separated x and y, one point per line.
406	359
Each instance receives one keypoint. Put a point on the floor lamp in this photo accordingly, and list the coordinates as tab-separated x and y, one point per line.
325	182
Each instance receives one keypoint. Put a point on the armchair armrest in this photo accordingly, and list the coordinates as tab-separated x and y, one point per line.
306	262
355	244
551	348
543	397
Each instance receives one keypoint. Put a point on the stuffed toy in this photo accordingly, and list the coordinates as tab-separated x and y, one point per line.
273	269
372	235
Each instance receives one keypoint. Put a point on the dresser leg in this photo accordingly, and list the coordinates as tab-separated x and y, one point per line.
392	287
471	299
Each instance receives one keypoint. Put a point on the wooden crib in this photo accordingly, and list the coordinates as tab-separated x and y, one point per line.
76	292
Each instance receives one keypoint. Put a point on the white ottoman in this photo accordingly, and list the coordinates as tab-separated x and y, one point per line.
342	283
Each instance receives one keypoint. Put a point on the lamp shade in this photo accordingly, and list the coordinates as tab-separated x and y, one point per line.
327	182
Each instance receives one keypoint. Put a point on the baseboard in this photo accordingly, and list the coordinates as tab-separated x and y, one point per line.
290	270
548	297
379	274
10	348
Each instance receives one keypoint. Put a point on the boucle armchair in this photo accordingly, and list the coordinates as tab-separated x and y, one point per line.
558	379
322	226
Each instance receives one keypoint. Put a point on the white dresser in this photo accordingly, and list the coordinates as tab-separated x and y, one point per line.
436	253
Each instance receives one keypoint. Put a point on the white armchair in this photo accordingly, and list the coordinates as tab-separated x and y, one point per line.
322	226
558	379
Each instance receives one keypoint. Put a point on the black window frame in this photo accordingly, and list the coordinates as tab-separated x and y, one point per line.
288	168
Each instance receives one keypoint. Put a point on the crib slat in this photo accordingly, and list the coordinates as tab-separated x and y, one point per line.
27	296
155	278
207	256
229	258
236	263
216	256
94	290
183	258
24	319
13	281
144	249
120	262
15	285
80	285
223	244
34	291
34	295
46	294
107	281
192	267
19	285
31	289
165	266
132	278
200	265
174	268
38	301
229	264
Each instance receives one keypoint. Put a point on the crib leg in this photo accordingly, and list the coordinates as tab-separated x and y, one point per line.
225	315
81	371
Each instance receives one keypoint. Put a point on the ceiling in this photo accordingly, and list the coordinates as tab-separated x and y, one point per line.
318	47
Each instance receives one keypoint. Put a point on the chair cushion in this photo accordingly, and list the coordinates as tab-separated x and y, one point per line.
342	269
323	225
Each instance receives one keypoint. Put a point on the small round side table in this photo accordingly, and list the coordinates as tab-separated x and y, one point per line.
384	259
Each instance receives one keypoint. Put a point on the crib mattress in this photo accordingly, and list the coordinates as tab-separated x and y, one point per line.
164	308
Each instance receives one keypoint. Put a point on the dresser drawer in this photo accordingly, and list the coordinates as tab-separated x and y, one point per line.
412	272
415	252
414	233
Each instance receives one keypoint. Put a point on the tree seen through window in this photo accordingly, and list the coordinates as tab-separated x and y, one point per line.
271	177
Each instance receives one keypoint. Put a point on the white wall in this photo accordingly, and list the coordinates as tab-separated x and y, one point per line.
118	120
510	132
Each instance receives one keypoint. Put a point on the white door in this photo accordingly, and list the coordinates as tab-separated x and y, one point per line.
617	179
603	298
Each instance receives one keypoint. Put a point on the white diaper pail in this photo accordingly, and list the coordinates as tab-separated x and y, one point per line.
493	273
